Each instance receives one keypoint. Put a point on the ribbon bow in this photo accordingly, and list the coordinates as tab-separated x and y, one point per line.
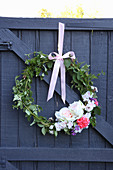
59	64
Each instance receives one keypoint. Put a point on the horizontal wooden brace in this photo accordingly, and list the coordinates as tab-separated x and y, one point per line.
57	154
52	23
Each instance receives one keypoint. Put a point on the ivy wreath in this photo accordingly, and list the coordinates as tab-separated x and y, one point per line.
72	119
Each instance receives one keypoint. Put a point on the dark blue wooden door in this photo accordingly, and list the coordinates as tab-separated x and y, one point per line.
23	147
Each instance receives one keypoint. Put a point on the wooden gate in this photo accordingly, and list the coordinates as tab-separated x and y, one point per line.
23	147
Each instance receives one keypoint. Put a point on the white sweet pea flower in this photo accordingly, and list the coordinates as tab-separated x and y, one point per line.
70	124
51	127
94	88
89	107
58	126
87	95
63	124
65	114
87	115
51	132
77	109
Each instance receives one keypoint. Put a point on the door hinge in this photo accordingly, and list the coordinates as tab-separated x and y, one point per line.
3	162
7	44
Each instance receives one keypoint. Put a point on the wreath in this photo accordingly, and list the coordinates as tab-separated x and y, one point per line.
72	119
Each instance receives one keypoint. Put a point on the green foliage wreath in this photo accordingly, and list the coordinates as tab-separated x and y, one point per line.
38	66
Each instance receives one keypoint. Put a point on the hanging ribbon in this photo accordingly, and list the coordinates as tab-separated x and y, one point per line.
59	64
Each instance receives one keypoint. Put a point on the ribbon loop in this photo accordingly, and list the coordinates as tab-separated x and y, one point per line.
59	64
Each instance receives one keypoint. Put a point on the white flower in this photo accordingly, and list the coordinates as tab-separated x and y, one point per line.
65	114
70	124
63	124
87	115
51	132
87	95
77	109
51	127
89	107
58	126
94	88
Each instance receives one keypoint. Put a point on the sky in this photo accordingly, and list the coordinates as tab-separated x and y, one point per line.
26	8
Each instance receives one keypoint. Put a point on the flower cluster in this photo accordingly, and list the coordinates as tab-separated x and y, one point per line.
76	117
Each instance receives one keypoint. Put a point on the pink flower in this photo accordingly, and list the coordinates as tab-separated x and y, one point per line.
70	124
65	114
89	107
77	108
96	102
87	95
83	122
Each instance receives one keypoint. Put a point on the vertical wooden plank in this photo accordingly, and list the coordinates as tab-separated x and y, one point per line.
98	63
17	164
109	117
9	119
80	45
0	92
63	140
46	46
27	134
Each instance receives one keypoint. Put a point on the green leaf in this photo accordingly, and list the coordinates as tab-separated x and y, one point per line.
33	123
97	110
50	64
28	112
67	62
74	78
16	97
27	62
32	107
40	125
43	131
56	133
103	73
78	75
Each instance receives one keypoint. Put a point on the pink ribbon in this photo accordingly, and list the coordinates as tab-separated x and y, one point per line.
59	64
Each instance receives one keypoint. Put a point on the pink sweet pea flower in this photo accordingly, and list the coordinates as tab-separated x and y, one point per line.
96	102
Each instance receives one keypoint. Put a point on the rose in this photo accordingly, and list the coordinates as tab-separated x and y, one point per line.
77	108
65	114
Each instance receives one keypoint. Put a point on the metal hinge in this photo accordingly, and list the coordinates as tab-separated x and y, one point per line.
8	44
3	162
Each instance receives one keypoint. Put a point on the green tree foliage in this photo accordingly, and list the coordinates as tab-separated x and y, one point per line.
44	13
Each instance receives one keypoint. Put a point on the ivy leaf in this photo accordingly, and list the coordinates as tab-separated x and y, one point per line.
32	107
28	112
16	97
67	62
50	64
97	110
43	130
33	123
40	125
93	121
